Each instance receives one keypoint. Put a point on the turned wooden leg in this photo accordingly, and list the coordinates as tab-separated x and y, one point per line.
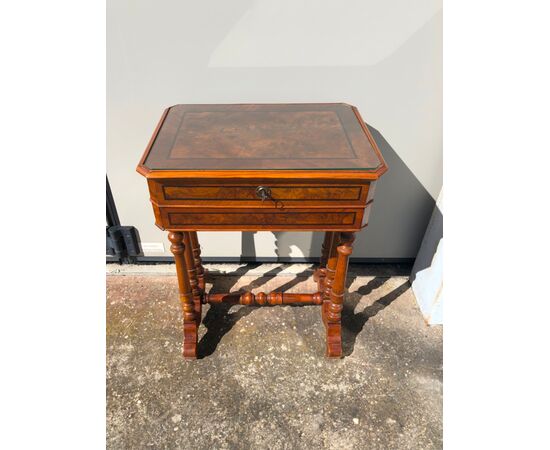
193	279
197	256
338	287
320	274
190	324
330	270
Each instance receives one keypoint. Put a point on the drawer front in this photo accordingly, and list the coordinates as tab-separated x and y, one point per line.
295	195
198	219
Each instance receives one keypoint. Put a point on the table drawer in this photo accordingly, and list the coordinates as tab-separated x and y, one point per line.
292	195
200	219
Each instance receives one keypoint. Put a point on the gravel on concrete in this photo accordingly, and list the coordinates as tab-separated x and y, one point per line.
261	380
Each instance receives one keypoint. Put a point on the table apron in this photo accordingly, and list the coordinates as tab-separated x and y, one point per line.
255	219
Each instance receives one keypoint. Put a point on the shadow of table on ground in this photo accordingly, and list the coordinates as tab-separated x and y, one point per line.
219	320
352	322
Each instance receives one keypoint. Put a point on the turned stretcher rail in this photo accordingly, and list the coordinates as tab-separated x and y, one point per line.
261	298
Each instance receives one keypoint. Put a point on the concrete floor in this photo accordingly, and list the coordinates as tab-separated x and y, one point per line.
262	381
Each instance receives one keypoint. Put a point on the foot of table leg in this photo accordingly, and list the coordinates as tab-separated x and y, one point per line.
190	319
333	312
334	340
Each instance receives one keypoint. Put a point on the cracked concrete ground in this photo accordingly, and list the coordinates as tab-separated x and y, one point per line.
262	381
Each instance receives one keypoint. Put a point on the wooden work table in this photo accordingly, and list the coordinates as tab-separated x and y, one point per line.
274	167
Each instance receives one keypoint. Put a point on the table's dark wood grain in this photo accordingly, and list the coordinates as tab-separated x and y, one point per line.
299	167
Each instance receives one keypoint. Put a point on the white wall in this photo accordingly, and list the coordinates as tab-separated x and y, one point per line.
427	272
383	57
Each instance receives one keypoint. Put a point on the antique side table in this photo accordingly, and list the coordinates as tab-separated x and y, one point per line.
276	167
